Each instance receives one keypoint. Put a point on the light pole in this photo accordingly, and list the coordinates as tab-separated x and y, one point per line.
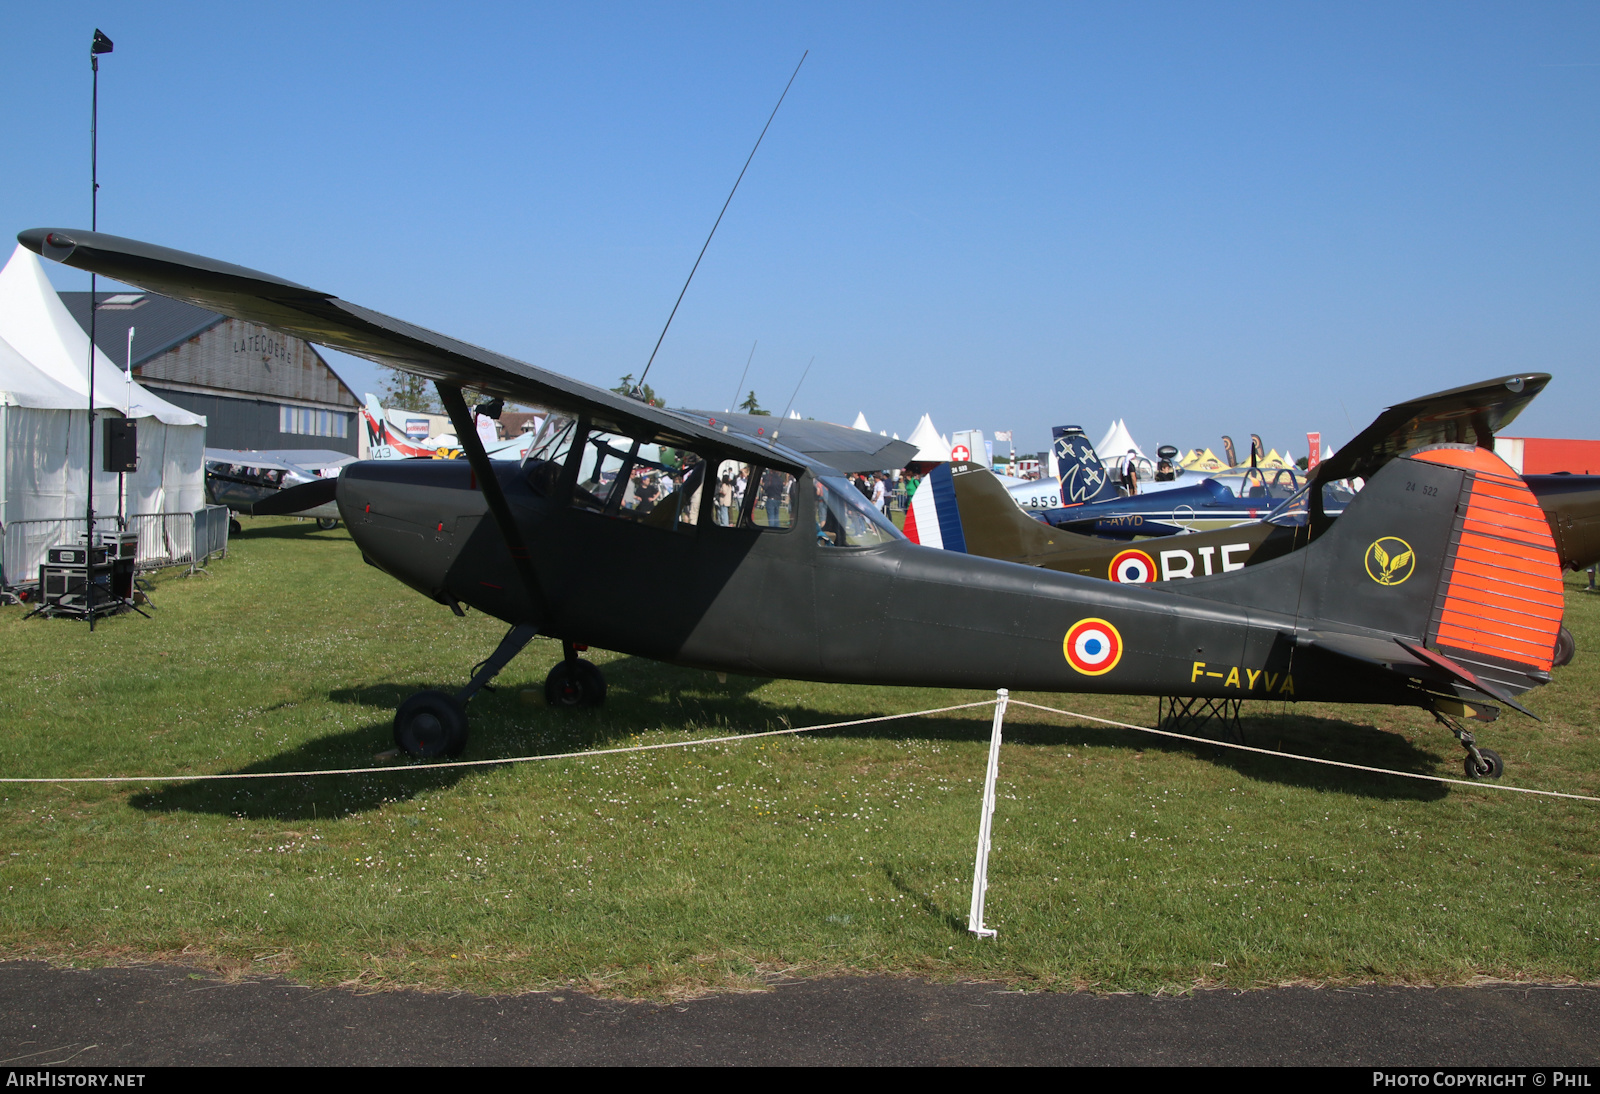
100	44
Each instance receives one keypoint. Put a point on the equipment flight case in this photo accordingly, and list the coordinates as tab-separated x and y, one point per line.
85	579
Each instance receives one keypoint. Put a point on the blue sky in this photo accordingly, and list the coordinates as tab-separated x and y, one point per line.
1203	218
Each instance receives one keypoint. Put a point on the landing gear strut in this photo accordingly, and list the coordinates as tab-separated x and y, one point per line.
1481	763
431	724
574	682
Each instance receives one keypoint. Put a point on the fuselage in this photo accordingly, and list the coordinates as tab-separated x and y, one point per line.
784	603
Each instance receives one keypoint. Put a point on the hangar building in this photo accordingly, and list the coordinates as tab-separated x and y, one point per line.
257	388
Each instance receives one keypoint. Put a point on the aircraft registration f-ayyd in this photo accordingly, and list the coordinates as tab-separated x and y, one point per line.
1439	586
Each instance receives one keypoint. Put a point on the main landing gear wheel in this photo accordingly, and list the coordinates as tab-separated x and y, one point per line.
575	683
327	524
234	527
1493	767
1566	646
430	724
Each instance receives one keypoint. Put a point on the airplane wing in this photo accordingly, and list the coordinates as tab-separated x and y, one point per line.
326	320
841	447
1464	415
283	459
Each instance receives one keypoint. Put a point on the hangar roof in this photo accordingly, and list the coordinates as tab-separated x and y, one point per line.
160	322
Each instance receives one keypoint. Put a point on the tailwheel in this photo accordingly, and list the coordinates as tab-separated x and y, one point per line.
327	524
1566	646
575	683
1491	767
430	724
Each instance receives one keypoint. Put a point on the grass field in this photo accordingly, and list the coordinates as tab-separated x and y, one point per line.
1119	862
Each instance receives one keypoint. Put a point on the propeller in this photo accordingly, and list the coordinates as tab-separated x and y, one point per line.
297	499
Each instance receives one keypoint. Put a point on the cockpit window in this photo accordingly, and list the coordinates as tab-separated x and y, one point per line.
623	477
1294	512
543	461
553	441
845	518
774	502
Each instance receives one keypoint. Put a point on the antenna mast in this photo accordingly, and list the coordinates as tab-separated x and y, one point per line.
638	389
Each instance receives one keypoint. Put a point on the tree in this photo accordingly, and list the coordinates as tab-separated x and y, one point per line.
625	387
752	406
408	391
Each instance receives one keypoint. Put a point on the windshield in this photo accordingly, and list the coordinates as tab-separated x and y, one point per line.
845	518
1294	512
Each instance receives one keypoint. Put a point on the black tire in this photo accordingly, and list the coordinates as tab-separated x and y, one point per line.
575	684
1494	769
430	724
234	527
1566	646
327	524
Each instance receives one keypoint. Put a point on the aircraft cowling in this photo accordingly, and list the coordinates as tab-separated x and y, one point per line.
411	518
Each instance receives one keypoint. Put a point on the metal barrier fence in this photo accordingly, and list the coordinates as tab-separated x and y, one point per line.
165	539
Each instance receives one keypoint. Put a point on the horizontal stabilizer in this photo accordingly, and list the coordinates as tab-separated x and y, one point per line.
1465	675
1464	415
296	499
1406	658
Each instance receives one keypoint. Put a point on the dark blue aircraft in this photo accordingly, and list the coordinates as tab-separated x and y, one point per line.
1223	500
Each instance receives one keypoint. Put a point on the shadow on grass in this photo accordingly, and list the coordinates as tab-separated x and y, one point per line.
285	528
929	906
645	695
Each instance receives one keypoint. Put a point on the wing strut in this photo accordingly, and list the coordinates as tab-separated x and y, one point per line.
489	486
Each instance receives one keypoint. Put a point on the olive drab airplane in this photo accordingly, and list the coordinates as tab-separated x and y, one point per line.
1439	587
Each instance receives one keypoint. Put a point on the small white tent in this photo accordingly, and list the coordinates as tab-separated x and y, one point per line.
931	448
1117	443
861	421
44	428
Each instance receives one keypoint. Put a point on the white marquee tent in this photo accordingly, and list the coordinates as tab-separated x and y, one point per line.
1117	443
44	428
931	448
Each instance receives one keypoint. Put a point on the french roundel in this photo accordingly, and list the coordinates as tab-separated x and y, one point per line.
1093	647
1133	568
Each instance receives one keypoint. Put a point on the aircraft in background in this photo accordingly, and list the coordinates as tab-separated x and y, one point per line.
241	479
968	509
1218	501
386	441
1073	475
1404	600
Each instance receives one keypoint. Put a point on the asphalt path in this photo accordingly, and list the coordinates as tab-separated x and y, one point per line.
167	1015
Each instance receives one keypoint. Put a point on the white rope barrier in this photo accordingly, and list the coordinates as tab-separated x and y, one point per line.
1476	784
492	763
1480	785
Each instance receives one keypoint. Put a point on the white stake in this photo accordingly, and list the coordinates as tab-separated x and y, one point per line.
980	868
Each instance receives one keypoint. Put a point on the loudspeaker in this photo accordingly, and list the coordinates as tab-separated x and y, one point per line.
122	445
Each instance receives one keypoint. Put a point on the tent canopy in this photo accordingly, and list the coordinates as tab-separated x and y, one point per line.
1206	460
23	385
1117	443
40	329
931	448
